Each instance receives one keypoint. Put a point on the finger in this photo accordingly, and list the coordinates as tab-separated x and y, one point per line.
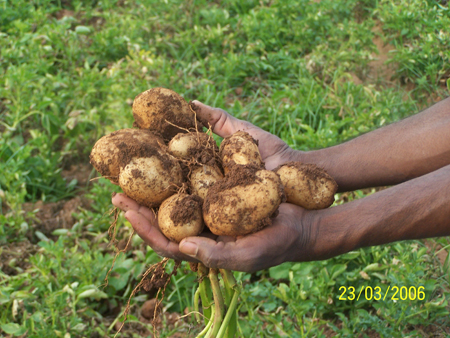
222	123
125	203
248	254
146	229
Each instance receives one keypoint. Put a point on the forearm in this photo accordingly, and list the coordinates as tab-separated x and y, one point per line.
387	156
419	208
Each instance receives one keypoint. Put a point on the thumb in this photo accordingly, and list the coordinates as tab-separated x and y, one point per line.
211	253
222	123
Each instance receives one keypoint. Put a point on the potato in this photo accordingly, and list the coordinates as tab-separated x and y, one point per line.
199	147
150	180
180	216
203	177
307	185
154	107
115	150
241	149
243	202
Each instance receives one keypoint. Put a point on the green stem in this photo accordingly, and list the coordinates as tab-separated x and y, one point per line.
231	311
228	278
208	326
196	309
218	302
202	274
230	287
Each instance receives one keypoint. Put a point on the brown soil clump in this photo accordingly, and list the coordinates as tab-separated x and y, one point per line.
185	210
150	309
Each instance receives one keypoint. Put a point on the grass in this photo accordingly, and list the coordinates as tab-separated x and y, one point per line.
302	70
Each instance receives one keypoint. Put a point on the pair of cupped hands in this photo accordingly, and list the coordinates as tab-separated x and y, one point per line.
287	239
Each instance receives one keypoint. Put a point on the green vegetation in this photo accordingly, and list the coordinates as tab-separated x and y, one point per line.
304	70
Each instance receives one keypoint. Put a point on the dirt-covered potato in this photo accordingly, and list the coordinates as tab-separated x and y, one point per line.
203	177
243	202
240	148
307	185
180	216
150	180
199	147
115	150
153	109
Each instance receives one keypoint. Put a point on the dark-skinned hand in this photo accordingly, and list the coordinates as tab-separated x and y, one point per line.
271	246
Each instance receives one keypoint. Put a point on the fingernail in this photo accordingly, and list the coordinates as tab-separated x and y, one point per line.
189	248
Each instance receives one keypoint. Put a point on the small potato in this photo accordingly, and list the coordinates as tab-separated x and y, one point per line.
180	216
241	149
198	146
115	150
307	185
150	180
242	203
154	107
203	177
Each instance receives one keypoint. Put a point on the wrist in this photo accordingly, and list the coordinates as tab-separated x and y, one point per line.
330	234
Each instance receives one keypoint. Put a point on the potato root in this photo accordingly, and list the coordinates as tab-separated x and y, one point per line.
197	147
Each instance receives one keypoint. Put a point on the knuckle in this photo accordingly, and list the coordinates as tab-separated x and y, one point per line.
210	260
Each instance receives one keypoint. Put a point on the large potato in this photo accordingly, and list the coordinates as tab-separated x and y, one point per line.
115	150
307	185
243	202
241	149
156	107
203	177
180	216
150	180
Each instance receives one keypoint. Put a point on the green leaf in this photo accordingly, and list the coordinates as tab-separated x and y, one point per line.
13	328
94	293
82	30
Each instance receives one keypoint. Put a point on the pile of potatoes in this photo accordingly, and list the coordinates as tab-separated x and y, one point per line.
171	165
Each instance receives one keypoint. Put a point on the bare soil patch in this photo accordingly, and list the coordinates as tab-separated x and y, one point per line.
81	172
378	66
55	215
14	257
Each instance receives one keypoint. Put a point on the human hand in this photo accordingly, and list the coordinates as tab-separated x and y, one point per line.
263	249
287	239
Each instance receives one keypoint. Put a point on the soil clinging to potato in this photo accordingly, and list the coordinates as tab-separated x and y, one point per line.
186	210
153	109
311	170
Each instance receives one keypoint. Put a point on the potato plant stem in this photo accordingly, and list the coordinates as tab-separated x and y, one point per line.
218	302
230	313
196	309
208	325
202	274
230	289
